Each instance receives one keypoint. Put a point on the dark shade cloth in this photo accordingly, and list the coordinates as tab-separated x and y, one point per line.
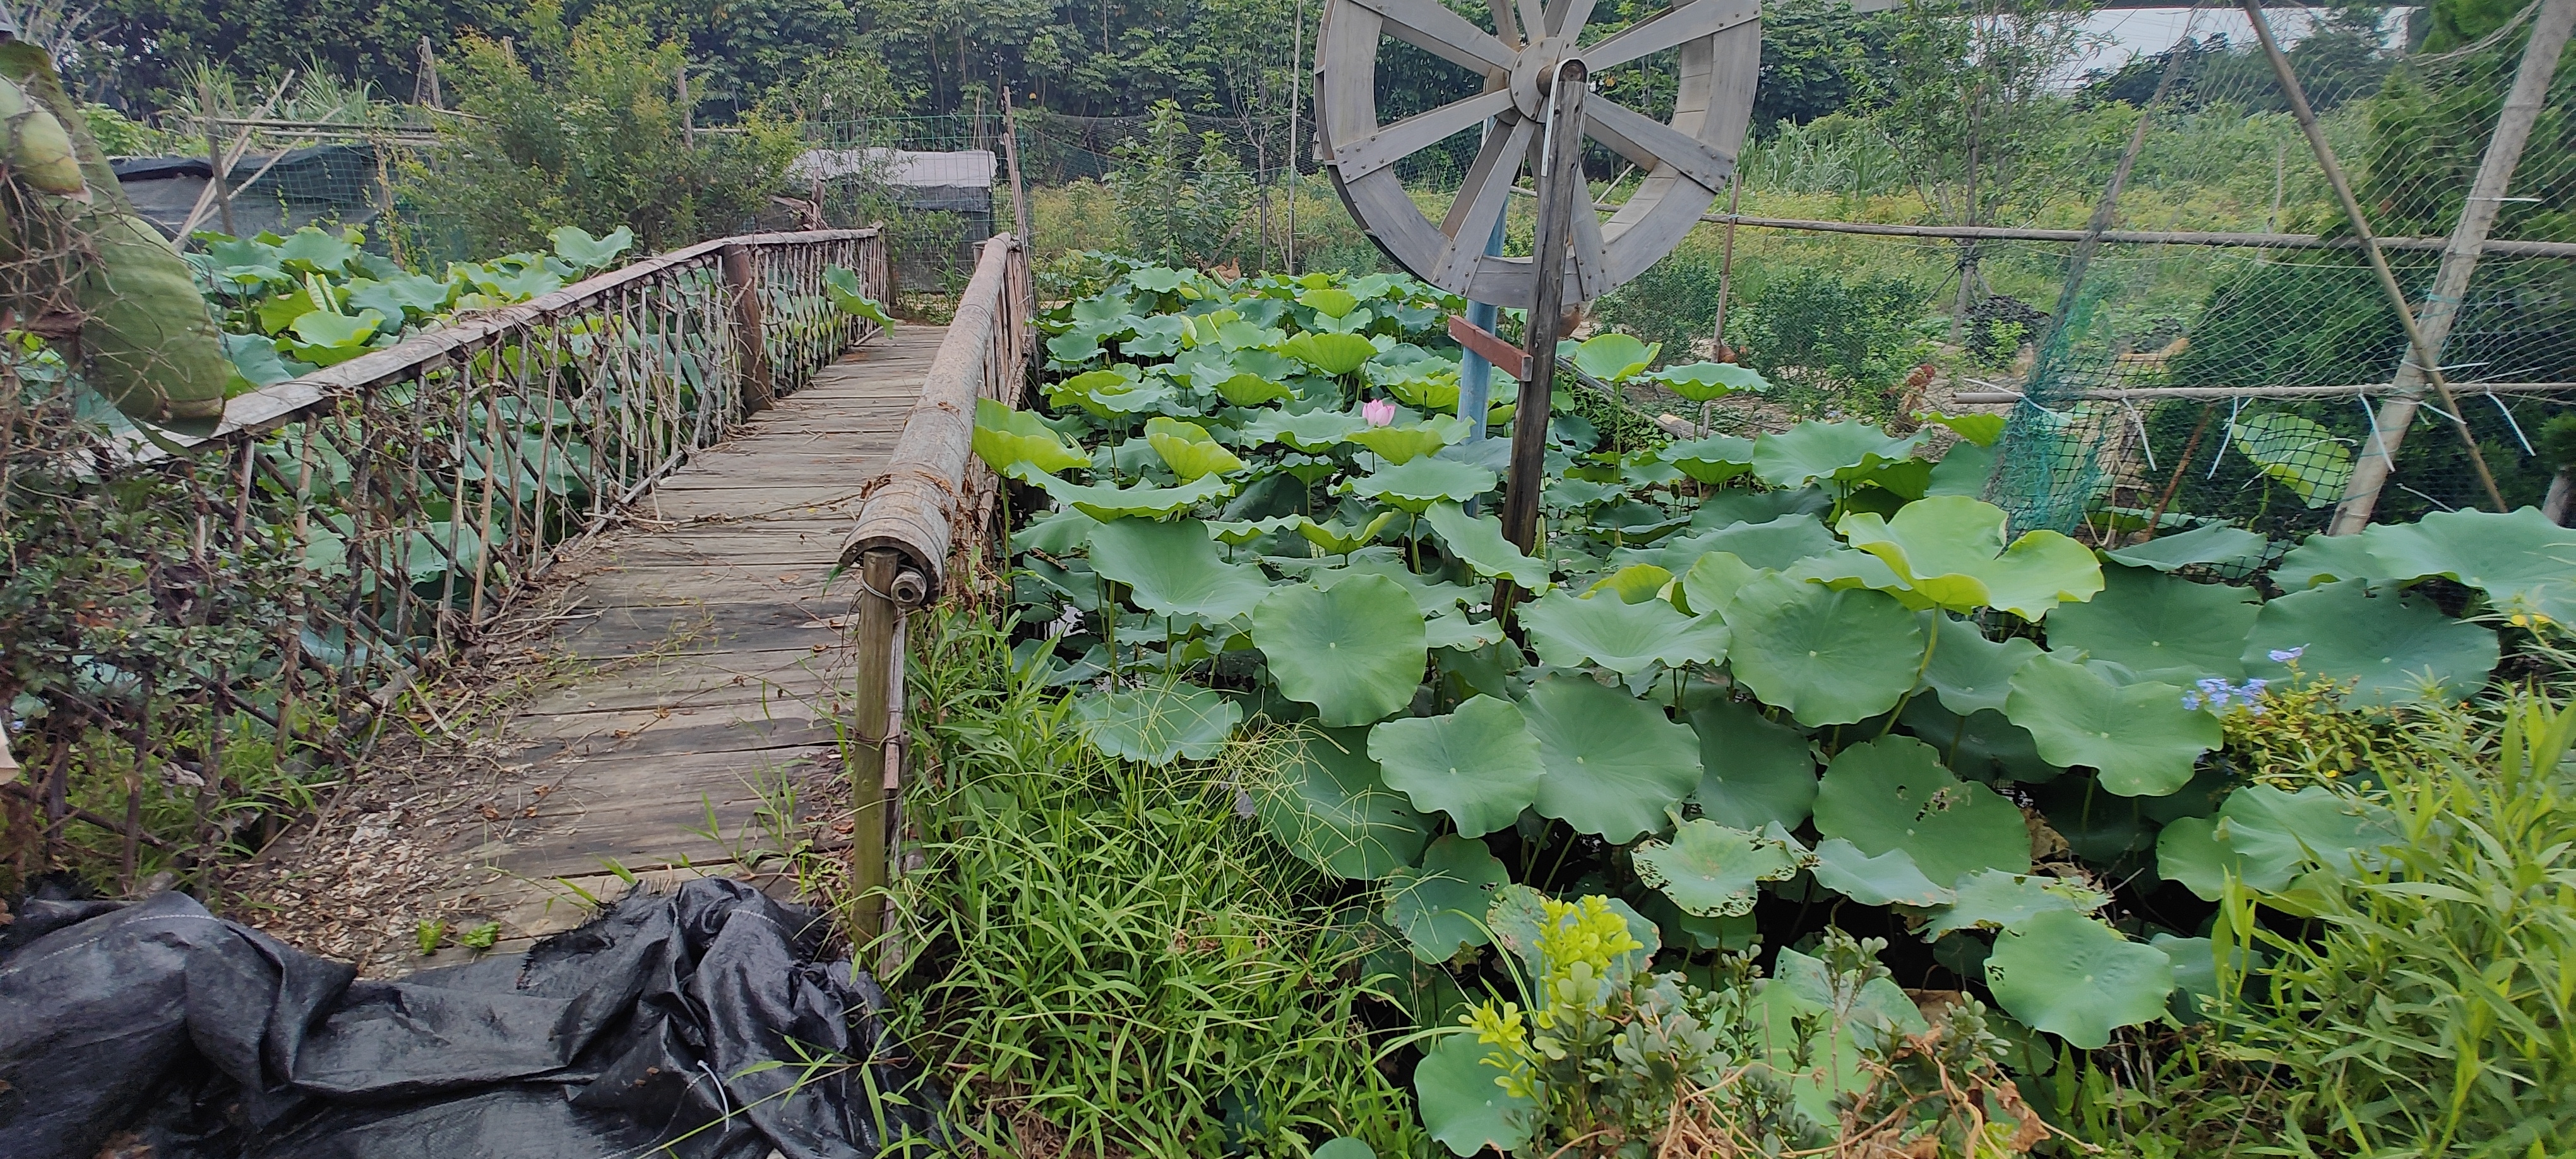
701	1020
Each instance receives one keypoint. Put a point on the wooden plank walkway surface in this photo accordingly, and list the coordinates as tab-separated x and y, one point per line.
701	655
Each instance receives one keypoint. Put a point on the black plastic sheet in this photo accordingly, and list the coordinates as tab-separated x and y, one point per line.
699	1021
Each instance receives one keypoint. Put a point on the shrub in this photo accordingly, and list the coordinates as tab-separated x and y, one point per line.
1183	197
583	129
1835	344
2423	1008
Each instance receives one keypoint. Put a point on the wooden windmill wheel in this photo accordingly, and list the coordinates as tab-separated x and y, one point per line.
1686	160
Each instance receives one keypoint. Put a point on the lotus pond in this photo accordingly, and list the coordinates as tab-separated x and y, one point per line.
1804	805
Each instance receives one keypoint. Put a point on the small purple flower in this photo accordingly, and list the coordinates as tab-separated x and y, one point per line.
2191	702
2285	655
2252	689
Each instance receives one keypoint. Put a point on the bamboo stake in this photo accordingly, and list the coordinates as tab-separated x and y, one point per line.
2428	354
2522	105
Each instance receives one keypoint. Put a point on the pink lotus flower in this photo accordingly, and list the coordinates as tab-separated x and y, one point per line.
1378	412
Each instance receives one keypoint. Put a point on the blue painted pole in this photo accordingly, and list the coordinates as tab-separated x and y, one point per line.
1475	375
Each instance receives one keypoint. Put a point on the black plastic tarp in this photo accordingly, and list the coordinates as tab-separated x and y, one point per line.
701	1021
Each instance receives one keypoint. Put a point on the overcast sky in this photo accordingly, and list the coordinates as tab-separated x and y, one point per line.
2152	30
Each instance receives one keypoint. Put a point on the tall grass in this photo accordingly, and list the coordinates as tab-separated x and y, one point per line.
2424	1009
1111	958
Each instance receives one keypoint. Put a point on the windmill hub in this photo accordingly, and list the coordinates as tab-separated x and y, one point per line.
1535	71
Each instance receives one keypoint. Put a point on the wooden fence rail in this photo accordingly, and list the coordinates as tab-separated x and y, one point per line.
360	525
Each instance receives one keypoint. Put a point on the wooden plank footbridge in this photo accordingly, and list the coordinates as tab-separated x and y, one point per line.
696	485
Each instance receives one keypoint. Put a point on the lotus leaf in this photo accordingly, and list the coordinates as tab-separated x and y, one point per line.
1950	551
1892	793
1431	596
257	361
1338	539
1158	279
1188	450
400	295
2308	458
1714	459
1331	301
841	285
1891	878
1996	899
1828	657
1844	452
1333	354
2265	837
1345	1148
1172	569
1711	871
1479	541
1313	432
1244	335
1158	725
1455	630
1711	584
1355	652
1753	774
2139	737
1614	357
1073	349
311	249
1440	906
1705	381
1156	336
1236	533
2160	627
1843	569
2076	978
1569	630
1634	584
1971	673
1006	437
1479	764
1244	388
1329	806
576	245
1064	531
2395	647
1978	429
1614	762
2525	564
1415	486
2213	544
1401	444
1112	503
1462	1106
1963	470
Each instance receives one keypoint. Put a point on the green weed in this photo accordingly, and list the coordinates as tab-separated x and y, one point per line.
1109	956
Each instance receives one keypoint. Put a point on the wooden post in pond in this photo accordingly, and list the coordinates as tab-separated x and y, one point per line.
1561	194
735	262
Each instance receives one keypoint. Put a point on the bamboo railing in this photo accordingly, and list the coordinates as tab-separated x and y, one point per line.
359	526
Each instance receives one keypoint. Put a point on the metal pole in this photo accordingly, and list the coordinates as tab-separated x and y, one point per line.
1475	374
2549	32
1561	195
735	263
2427	353
1296	98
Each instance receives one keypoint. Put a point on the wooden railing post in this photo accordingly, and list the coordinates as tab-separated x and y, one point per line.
875	765
749	347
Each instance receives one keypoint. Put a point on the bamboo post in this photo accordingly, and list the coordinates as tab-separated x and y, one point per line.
1561	195
425	89
735	261
1011	157
215	157
1296	97
2549	32
1725	280
688	108
2428	355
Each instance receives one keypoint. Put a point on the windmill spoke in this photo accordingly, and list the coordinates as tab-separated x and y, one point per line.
1673	28
1533	15
1568	18
1432	27
1481	197
1653	144
1504	26
1416	133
